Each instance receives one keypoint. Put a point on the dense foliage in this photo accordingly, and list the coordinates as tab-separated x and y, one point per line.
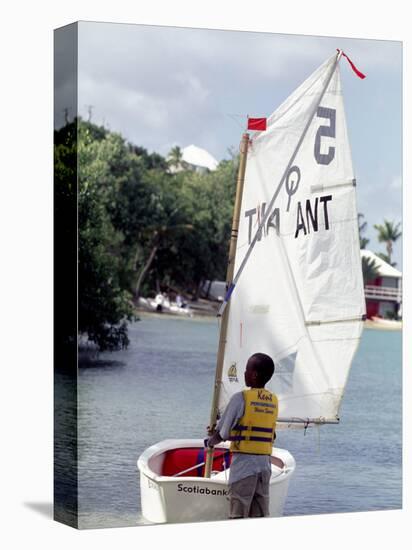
142	227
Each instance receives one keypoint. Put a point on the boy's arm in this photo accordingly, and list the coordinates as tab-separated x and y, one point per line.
234	410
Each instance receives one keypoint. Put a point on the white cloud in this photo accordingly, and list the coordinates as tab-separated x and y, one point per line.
169	77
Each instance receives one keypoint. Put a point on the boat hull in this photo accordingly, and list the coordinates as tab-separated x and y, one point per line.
168	499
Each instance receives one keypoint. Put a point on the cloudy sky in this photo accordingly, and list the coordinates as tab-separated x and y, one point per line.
166	86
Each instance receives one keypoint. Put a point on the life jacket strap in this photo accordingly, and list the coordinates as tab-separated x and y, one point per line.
250	438
240	428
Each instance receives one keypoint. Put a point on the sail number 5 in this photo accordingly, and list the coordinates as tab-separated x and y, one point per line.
325	131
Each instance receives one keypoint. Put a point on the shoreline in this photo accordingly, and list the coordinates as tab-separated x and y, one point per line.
155	314
373	325
210	314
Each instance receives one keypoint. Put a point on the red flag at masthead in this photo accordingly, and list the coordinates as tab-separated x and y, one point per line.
352	64
256	123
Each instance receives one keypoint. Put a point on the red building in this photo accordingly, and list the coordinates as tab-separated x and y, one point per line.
383	294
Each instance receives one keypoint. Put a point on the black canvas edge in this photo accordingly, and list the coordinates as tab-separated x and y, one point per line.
65	275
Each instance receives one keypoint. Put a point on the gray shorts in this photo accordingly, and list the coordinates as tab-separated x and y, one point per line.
249	497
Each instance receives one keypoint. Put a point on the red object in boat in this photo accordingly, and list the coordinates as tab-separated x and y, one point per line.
178	460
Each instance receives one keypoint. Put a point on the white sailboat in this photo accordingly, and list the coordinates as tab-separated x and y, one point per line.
295	292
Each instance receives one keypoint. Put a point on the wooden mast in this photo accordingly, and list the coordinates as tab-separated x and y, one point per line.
229	278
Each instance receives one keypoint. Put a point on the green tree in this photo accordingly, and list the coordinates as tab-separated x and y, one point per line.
363	241
187	242
104	302
150	161
205	250
162	257
175	157
140	226
370	269
388	233
219	204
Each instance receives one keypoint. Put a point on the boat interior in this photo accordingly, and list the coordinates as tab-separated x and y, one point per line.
189	462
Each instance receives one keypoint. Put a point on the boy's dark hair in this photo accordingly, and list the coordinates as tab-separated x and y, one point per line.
263	365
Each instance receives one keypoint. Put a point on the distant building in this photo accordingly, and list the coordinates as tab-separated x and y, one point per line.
199	159
384	294
196	159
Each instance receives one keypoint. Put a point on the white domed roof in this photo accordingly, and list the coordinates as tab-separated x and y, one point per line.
199	157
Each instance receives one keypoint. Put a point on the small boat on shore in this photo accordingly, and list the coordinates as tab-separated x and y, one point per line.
165	306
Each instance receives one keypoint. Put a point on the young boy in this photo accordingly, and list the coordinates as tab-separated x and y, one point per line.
249	422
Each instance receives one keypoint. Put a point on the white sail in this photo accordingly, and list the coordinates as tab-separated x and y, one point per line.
299	296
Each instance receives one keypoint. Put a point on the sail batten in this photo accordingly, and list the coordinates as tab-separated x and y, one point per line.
331	321
297	293
306	422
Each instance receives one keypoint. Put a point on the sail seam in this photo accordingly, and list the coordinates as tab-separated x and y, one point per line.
332	321
324	187
345	338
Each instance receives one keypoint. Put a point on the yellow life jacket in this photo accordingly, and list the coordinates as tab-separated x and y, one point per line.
255	431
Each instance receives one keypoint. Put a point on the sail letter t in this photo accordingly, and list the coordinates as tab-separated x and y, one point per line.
256	123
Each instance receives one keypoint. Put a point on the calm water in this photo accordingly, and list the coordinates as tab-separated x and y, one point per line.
161	386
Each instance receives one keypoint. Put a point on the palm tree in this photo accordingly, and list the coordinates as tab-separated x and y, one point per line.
175	157
363	241
388	233
385	258
370	269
